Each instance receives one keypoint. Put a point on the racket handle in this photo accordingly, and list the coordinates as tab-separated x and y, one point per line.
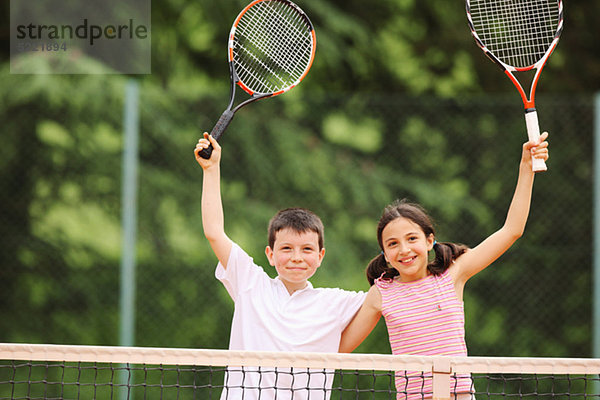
533	132
217	131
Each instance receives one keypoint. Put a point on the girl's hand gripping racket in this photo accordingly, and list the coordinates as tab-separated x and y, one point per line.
518	35
271	48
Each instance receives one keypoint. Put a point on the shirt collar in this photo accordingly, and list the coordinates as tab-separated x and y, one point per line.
308	286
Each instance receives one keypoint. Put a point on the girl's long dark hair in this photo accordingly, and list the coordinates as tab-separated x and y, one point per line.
445	253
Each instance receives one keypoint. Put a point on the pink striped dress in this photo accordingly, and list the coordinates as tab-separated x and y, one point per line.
424	317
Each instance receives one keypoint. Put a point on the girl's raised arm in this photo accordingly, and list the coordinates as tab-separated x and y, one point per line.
478	258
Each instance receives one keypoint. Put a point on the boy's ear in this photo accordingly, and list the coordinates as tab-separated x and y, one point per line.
321	255
269	253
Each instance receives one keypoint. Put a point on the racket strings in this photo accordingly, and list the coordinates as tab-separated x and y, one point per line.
518	32
290	58
280	50
277	57
272	47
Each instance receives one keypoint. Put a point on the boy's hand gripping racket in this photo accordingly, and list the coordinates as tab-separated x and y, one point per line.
518	35
271	48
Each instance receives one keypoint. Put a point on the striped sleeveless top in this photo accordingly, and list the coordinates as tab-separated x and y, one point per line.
424	317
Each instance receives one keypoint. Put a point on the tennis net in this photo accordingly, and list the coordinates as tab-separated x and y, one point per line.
33	371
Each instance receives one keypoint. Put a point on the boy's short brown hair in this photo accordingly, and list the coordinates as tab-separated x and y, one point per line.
297	219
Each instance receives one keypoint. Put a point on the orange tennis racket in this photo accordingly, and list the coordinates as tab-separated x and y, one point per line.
519	36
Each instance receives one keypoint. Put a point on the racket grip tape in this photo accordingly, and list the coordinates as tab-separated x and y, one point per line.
217	131
533	132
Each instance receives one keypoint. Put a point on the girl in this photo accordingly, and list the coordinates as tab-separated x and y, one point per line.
421	301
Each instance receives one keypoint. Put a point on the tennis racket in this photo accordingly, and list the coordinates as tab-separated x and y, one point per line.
519	36
271	48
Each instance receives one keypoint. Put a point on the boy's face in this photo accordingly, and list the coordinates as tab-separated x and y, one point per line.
296	257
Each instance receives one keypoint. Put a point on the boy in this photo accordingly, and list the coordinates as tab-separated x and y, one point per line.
281	314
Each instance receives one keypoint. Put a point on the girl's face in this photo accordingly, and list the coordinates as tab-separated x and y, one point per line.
405	247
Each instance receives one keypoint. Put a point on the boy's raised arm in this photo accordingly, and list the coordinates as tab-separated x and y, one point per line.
212	206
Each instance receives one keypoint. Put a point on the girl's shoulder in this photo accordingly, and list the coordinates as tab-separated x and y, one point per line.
373	299
454	269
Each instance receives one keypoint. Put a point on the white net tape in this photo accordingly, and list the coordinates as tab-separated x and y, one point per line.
37	371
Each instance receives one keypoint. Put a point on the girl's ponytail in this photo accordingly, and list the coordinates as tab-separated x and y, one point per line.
445	254
377	267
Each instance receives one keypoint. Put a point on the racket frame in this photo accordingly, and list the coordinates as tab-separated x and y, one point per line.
229	112
531	118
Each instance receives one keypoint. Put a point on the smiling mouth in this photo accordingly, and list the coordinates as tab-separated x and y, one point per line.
408	260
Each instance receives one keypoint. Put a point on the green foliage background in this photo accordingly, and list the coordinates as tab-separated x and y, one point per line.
399	103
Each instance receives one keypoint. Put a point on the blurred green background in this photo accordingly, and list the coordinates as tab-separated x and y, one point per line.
399	103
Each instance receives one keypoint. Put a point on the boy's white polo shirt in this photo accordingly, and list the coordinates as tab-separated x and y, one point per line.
267	318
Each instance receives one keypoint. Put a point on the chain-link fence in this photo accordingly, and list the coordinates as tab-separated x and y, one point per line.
345	157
